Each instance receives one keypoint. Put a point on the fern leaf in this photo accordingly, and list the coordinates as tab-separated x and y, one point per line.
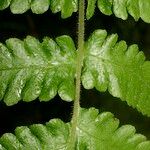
30	69
120	69
67	7
121	8
94	132
4	4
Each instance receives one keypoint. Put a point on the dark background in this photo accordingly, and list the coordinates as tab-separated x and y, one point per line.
52	25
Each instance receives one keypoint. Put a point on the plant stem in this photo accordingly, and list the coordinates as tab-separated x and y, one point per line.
76	108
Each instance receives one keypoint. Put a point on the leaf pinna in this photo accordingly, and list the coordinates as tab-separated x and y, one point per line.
120	69
95	131
120	8
30	69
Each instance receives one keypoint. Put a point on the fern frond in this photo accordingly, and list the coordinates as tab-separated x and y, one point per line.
67	7
94	132
30	69
120	69
136	8
121	8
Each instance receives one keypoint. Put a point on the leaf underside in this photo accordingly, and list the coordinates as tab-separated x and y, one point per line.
30	69
94	132
120	8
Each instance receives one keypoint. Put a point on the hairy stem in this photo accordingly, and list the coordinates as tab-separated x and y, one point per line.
76	108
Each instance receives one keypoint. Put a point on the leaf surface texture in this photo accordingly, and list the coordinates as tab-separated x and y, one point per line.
120	8
94	132
30	69
66	7
122	70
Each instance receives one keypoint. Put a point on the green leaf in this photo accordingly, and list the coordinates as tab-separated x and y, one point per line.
134	9
95	131
144	10
105	6
4	4
40	6
56	5
20	6
121	8
122	70
30	69
90	8
67	7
